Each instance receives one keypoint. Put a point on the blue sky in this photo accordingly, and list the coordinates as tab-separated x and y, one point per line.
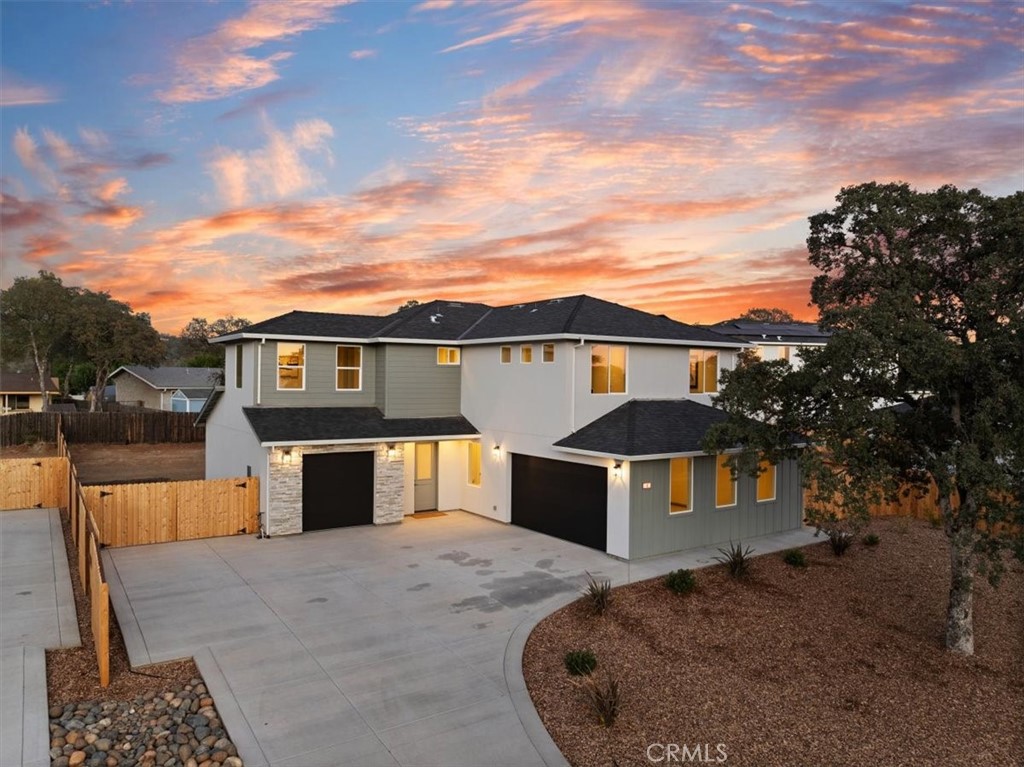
199	159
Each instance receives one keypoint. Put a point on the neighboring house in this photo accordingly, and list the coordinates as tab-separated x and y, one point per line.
156	388
775	340
19	392
574	417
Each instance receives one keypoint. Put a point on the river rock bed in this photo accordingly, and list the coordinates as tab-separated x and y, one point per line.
170	729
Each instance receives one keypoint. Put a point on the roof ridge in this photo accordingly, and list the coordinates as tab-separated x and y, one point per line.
403	316
631	425
572	315
479	319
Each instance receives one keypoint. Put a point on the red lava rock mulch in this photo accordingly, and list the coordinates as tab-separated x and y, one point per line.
838	664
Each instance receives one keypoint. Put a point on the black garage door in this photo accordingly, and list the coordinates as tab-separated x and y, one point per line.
566	500
337	490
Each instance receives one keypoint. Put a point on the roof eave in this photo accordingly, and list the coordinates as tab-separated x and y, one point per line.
365	440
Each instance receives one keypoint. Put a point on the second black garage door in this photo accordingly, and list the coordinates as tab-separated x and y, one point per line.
563	499
337	490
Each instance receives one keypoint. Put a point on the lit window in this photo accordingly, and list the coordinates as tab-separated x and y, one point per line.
681	486
548	353
448	355
526	354
766	481
238	366
474	464
607	369
725	484
703	371
291	365
350	368
506	355
784	353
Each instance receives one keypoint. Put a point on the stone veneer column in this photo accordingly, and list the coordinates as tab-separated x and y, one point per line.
285	491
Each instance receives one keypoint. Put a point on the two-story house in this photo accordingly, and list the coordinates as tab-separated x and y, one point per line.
575	417
775	340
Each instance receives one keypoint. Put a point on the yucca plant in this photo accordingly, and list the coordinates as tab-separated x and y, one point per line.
840	540
736	559
598	593
603	697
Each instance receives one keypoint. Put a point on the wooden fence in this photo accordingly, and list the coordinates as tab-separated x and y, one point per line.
911	504
161	512
113	428
33	483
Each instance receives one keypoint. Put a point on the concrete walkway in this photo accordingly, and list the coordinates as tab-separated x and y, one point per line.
367	646
37	610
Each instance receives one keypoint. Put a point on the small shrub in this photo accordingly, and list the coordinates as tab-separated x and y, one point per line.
580	662
839	540
603	697
598	593
795	558
681	581
935	521
736	559
871	539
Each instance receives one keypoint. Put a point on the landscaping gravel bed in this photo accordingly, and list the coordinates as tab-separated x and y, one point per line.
840	664
172	729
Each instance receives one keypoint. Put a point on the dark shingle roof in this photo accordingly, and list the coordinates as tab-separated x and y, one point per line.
23	383
458	321
321	424
318	324
174	377
585	316
209	405
769	332
647	427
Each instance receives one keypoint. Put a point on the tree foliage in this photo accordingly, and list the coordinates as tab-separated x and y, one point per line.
194	346
766	315
922	382
35	313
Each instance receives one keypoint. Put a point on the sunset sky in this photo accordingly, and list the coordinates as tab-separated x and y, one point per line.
201	159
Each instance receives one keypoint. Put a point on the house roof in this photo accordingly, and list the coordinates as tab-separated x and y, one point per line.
646	427
334	425
169	378
208	406
773	332
24	383
460	322
196	393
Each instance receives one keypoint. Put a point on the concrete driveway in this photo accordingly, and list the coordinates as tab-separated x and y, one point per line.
365	646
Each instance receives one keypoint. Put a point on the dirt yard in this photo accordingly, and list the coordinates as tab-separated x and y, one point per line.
837	664
35	450
101	464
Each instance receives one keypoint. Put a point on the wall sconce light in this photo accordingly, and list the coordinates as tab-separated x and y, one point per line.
617	470
392	451
286	455
497	450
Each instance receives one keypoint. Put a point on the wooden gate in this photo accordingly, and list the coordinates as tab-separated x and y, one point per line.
28	483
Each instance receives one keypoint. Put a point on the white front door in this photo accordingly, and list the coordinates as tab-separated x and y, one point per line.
425	484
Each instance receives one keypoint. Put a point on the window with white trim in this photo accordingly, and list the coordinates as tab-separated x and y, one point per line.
766	480
607	369
703	371
448	355
505	355
681	486
291	365
725	484
526	354
547	353
238	366
350	368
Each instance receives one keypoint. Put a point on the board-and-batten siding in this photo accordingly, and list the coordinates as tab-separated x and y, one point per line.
320	379
653	530
416	386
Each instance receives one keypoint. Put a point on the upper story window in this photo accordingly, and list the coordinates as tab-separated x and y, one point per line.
547	353
766	482
291	365
725	484
350	368
448	355
505	355
238	366
607	369
703	371
681	486
526	354
473	467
